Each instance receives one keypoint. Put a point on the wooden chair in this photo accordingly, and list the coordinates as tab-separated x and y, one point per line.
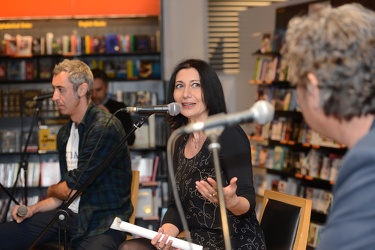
285	221
134	188
184	235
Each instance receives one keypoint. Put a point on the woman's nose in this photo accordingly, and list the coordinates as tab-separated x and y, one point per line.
186	92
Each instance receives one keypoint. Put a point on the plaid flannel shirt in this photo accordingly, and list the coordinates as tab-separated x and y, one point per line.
108	195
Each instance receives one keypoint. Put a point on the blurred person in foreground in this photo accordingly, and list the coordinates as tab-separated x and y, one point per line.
331	60
196	87
83	143
103	100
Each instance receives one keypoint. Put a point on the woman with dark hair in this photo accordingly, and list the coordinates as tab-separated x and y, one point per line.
198	90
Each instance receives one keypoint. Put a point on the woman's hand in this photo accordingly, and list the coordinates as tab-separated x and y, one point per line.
208	189
161	242
237	205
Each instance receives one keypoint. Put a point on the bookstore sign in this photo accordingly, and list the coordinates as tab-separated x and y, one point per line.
15	25
92	24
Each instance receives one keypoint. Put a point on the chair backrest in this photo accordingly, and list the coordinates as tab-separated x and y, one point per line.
134	188
285	220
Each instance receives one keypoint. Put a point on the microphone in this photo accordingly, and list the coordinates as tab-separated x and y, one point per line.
42	97
261	112
172	109
22	210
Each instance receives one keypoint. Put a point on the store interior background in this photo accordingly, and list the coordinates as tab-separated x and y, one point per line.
185	34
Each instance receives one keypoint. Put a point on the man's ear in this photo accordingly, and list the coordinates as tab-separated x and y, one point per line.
313	89
82	89
313	81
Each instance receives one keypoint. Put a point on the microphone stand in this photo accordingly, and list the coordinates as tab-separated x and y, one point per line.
23	164
214	147
61	215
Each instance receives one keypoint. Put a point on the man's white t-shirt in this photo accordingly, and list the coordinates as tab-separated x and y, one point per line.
72	159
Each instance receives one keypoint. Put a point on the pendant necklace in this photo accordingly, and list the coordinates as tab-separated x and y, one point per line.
195	140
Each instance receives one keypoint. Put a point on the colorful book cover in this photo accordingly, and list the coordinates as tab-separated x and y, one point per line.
111	43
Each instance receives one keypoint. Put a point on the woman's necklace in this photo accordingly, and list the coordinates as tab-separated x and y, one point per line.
195	140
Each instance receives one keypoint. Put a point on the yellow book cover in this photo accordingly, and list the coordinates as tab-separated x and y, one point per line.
47	139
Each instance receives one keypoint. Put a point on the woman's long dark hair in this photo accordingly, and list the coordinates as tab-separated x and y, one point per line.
212	90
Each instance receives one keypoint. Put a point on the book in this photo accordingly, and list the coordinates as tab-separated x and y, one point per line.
1	103
45	68
263	155
89	48
24	45
325	170
49	41
99	44
335	161
110	68
121	68
270	75
111	43
155	168
32	146
142	43
3	70
132	69
145	203
278	39
145	167
5	102
279	156
149	69
14	102
15	70
145	69
282	71
29	70
122	43
49	173
33	174
10	45
66	45
265	44
28	104
315	231
326	201
47	139
57	46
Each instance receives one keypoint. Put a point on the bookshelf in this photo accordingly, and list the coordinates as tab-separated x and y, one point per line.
276	17
127	48
286	154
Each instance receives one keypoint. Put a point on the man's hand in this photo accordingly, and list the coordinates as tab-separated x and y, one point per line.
18	218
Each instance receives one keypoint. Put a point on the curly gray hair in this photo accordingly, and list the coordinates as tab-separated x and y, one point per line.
337	45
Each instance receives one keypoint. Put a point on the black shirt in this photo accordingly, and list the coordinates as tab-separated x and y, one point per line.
123	116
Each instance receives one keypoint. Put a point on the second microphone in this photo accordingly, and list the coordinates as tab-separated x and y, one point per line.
172	109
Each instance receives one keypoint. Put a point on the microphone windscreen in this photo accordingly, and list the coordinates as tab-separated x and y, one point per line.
173	109
22	210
